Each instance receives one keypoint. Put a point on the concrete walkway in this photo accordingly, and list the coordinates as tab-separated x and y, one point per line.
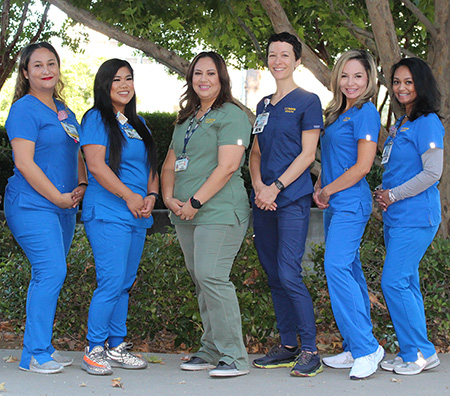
168	380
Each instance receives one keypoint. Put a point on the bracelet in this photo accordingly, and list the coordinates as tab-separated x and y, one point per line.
156	195
392	196
82	184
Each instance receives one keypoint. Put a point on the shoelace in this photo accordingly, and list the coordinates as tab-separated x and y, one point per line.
304	357
275	350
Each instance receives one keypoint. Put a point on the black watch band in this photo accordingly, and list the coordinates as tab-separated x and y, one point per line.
156	195
195	203
279	185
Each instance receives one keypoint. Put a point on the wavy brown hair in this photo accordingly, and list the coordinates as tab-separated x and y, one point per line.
339	101
23	84
189	101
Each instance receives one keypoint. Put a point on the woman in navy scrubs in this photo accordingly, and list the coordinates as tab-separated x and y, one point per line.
286	132
348	148
123	187
42	196
413	161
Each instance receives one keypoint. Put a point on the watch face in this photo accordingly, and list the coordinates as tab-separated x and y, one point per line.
195	203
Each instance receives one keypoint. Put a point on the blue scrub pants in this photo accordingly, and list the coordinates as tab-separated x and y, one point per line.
346	282
280	238
209	252
117	252
45	237
405	247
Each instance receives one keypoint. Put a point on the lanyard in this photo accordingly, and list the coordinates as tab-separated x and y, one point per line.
190	131
393	129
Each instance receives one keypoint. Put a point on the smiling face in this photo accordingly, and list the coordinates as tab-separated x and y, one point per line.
42	72
206	82
122	89
353	81
281	60
404	89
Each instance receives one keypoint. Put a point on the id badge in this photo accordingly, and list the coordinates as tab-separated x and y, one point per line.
131	133
260	123
71	131
386	153
181	164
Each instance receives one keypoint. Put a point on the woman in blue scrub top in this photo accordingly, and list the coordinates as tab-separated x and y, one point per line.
42	196
348	148
413	162
286	132
123	188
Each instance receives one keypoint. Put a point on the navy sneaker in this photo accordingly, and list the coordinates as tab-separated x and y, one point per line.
307	365
227	370
277	357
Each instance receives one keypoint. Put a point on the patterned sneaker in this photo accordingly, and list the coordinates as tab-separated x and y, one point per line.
277	357
50	367
365	366
227	370
389	365
413	368
342	361
120	357
307	364
96	362
63	360
195	364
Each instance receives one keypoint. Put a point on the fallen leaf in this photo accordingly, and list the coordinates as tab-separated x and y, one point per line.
10	359
396	380
2	387
116	383
153	359
185	358
82	385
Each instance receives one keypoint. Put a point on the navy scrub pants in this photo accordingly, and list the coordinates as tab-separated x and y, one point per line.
280	238
405	247
45	237
346	282
117	252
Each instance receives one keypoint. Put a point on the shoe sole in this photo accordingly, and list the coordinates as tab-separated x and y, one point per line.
227	373
116	364
296	373
65	364
338	366
60	370
273	366
89	370
197	368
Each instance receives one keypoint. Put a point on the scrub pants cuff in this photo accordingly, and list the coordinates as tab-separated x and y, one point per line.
114	341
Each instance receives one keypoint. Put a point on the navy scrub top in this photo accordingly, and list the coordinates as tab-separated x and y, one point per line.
280	141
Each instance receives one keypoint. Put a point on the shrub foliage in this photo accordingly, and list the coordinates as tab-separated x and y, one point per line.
163	298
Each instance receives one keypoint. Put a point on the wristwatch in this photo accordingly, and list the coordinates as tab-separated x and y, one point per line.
279	185
195	203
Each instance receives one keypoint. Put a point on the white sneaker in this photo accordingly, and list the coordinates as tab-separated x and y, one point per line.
365	366
389	365
50	367
63	360
342	361
412	368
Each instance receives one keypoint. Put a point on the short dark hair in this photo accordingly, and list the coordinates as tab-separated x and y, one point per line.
102	102
428	95
286	38
190	101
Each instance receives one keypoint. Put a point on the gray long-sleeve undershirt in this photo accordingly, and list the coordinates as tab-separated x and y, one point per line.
432	162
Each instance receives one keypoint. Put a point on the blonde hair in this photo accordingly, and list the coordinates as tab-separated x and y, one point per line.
22	84
339	101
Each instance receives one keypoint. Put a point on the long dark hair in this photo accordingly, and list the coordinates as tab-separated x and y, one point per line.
190	101
428	96
102	102
23	84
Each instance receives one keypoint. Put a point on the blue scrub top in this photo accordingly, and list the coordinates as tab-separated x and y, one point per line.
281	140
134	172
55	152
339	152
412	140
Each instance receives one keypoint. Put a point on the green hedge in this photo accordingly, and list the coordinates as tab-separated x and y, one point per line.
163	302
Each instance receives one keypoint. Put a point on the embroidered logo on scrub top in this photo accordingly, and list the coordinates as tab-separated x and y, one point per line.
403	129
289	109
346	119
210	120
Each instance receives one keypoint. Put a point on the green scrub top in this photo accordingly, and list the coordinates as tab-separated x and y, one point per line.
226	125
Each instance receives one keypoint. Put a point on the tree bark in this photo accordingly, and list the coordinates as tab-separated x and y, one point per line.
168	58
280	23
